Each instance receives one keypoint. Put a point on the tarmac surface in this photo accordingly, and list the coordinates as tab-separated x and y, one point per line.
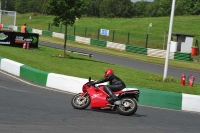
26	108
144	66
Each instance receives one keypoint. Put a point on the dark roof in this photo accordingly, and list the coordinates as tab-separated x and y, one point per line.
180	34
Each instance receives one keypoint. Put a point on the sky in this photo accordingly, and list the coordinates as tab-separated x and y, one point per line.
139	0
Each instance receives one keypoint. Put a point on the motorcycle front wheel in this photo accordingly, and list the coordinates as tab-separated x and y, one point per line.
127	107
79	102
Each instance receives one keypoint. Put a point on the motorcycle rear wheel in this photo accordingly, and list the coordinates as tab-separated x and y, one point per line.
79	102
128	107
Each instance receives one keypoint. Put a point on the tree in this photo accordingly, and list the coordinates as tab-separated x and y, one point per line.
25	6
188	7
140	8
7	5
65	12
161	8
93	8
116	8
20	6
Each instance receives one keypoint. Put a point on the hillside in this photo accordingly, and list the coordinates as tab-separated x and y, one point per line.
136	27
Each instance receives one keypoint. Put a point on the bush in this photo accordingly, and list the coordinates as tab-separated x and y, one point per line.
160	79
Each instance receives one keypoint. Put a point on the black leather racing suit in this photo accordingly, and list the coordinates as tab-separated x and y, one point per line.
115	84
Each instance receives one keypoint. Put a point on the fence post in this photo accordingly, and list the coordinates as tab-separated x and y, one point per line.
85	31
61	28
49	27
98	34
147	40
74	30
113	36
128	37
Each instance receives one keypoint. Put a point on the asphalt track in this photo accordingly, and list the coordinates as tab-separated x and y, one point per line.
25	108
144	66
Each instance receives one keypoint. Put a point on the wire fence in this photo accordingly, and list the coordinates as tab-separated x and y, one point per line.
144	40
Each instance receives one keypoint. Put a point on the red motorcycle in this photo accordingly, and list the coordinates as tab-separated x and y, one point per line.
96	97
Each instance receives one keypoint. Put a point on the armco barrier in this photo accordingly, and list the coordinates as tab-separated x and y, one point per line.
78	39
191	102
128	48
58	35
86	40
148	97
18	28
37	31
117	46
47	33
182	56
135	49
65	83
98	42
70	37
82	40
159	53
33	75
30	30
161	99
10	66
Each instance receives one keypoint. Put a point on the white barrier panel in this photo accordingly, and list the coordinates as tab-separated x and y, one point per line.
82	40
117	46
11	66
58	35
0	62
158	53
173	46
86	40
15	28
78	39
191	102
65	83
37	31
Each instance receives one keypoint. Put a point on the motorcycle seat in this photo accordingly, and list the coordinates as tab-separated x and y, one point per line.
130	89
127	90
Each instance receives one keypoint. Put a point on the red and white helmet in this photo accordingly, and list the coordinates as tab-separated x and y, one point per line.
108	72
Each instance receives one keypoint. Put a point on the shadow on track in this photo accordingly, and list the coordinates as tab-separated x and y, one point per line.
108	111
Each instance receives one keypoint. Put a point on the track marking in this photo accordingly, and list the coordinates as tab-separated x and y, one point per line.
3	87
52	89
26	82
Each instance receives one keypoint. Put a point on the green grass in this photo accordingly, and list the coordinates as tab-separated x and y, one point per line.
83	66
137	27
161	61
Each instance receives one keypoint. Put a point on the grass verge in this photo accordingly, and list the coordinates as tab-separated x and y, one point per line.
83	66
173	63
136	27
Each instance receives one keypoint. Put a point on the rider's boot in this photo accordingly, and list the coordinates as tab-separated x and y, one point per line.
112	98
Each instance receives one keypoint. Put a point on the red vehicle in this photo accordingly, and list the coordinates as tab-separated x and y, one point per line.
96	97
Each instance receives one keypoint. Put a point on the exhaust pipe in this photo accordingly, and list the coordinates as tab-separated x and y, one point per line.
130	94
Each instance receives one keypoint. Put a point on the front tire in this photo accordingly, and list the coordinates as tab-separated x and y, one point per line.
128	106
79	102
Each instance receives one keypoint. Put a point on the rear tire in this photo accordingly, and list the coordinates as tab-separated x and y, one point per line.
128	107
79	102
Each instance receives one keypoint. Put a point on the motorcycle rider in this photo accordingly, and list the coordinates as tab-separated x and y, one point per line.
115	84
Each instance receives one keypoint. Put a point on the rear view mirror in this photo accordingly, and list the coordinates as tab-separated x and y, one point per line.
90	79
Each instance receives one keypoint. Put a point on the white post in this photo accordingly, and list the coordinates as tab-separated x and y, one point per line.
150	25
169	40
15	18
0	11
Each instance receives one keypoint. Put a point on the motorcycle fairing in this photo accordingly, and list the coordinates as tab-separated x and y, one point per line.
98	98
